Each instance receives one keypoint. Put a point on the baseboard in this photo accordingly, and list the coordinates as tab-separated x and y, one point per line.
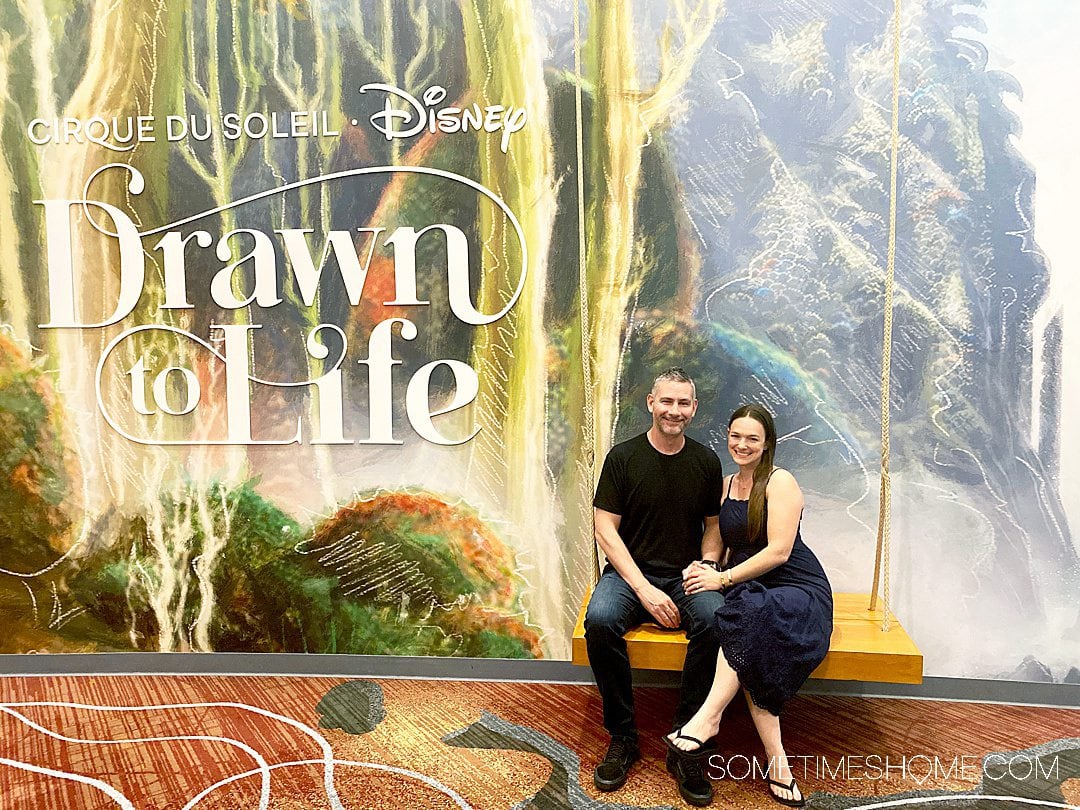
496	669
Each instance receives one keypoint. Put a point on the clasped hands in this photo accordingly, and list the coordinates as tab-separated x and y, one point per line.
700	576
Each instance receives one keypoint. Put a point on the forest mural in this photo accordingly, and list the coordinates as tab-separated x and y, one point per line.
319	317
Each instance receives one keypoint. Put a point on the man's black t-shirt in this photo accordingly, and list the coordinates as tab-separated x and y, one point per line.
662	501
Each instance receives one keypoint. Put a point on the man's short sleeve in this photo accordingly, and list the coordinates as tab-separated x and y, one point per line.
609	489
714	484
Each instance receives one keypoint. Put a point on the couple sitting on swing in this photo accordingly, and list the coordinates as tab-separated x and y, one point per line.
719	557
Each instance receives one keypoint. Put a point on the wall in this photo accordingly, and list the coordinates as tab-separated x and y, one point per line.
251	404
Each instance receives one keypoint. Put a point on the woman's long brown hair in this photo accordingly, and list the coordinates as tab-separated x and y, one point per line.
756	507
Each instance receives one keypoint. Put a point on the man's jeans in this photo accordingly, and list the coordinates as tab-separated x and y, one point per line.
614	609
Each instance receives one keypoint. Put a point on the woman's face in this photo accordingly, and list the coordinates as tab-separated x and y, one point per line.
746	441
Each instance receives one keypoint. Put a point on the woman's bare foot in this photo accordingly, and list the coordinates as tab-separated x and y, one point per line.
693	736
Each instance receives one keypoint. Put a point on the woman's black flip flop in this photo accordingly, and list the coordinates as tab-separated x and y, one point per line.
700	751
790	788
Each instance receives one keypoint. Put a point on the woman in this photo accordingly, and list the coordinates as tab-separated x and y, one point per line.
776	621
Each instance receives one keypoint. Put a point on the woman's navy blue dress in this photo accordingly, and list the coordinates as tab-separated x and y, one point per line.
773	630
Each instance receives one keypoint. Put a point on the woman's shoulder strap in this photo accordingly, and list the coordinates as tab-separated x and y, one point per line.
776	470
768	478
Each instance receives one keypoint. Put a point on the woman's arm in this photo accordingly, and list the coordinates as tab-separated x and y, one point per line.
785	508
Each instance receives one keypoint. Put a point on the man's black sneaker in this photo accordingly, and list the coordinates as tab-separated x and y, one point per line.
611	773
694	786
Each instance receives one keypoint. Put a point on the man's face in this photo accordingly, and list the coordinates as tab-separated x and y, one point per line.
672	406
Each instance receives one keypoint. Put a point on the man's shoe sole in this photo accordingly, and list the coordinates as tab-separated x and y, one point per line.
689	798
607	787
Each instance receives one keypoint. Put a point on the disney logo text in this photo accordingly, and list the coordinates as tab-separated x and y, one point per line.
420	115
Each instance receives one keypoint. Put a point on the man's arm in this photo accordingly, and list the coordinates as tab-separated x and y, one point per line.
712	548
712	545
654	600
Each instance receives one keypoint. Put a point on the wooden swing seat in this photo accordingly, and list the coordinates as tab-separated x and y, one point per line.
859	649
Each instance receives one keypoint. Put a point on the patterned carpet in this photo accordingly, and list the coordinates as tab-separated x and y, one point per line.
183	742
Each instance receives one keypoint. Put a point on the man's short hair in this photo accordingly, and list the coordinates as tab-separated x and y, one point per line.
675	374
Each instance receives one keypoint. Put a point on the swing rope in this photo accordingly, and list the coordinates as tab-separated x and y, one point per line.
881	556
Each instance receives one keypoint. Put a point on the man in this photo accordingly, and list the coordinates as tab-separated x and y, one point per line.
656	510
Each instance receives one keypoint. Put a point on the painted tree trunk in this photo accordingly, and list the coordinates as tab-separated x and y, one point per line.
284	49
508	460
622	117
126	44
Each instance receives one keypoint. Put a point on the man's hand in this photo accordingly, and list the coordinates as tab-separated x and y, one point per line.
659	604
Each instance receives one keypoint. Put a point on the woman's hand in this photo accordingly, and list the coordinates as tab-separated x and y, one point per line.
698	578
